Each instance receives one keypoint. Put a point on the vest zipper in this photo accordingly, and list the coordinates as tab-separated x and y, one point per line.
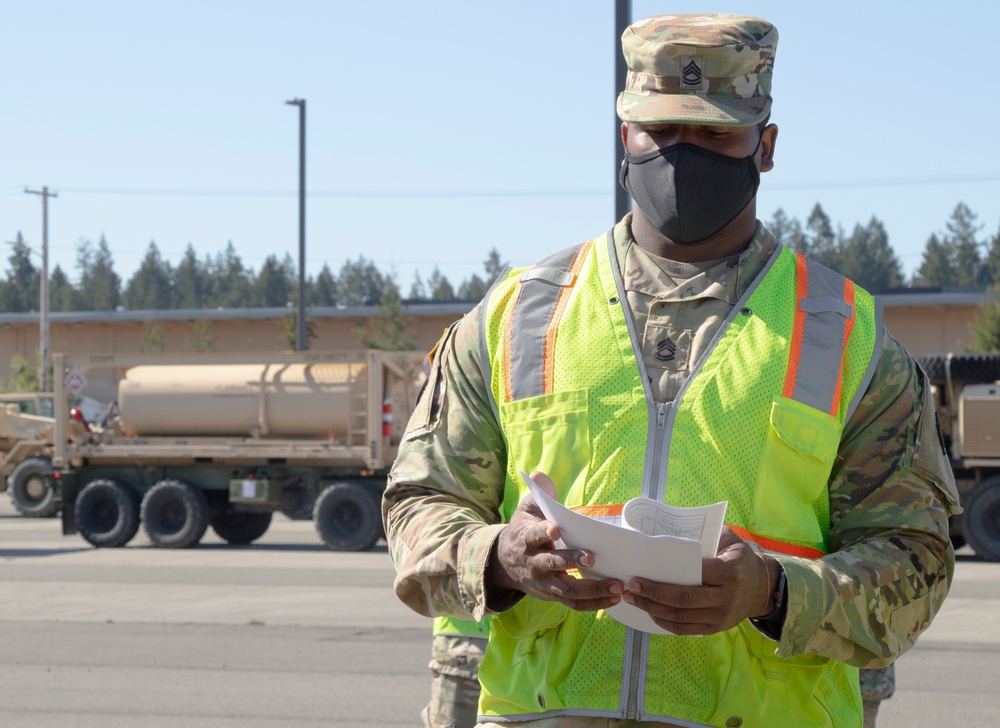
637	643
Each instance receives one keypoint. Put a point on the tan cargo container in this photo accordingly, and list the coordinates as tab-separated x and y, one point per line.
194	441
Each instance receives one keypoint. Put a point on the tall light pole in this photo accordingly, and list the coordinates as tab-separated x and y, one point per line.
623	15
43	315
300	337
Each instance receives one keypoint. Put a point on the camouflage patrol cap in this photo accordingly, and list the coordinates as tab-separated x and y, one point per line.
698	69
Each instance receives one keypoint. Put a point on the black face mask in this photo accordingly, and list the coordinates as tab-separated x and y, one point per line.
687	192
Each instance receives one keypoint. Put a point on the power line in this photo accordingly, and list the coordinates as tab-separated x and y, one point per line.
887	182
345	194
509	193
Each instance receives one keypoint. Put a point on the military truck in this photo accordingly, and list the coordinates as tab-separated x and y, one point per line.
197	441
966	390
26	422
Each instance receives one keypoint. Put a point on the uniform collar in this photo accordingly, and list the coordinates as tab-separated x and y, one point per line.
666	280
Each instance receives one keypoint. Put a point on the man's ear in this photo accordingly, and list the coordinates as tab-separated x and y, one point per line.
625	134
768	139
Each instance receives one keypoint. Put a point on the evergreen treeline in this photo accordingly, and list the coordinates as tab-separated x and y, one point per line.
958	257
223	281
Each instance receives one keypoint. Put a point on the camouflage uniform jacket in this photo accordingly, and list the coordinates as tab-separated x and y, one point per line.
891	489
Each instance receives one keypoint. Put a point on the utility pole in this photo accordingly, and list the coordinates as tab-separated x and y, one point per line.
43	314
623	16
301	343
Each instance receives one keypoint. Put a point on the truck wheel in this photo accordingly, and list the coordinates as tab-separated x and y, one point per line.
241	528
174	514
107	514
347	517
965	368
29	491
981	519
297	503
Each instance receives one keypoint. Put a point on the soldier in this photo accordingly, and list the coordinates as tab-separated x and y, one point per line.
877	684
684	356
457	652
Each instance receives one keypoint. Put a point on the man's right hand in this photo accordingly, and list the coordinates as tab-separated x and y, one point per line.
525	559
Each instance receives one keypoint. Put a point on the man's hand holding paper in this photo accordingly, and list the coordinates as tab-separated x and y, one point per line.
735	586
701	582
527	559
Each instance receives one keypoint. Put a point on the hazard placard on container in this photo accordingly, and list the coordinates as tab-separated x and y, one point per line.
75	381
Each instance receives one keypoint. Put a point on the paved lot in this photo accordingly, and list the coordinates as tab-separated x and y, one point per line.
287	633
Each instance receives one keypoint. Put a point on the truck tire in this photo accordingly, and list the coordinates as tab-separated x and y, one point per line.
965	368
981	519
297	502
174	514
240	528
30	493
107	514
347	518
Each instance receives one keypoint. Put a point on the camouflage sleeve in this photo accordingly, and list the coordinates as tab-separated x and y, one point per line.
441	505
890	561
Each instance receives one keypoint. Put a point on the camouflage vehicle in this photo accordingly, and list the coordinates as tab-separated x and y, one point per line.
196	441
26	422
967	398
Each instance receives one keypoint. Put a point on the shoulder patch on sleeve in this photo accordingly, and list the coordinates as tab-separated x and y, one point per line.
428	409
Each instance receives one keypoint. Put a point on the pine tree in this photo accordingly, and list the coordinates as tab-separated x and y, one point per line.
151	287
494	266
272	287
439	287
986	327
473	289
964	246
232	281
360	283
991	263
936	269
192	285
418	291
385	329
788	231
822	243
323	290
869	260
100	287
20	291
62	293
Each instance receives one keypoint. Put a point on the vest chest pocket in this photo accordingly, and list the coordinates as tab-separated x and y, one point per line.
551	433
791	498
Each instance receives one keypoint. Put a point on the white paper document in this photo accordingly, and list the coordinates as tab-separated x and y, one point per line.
650	540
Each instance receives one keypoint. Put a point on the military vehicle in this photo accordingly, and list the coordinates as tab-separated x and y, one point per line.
196	441
966	390
25	423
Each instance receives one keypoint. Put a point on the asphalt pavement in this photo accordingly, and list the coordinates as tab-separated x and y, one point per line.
285	633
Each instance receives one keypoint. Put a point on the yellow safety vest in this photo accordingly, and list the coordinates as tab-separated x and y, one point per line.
758	423
465	627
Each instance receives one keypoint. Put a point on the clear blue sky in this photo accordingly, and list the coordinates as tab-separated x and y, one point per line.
165	121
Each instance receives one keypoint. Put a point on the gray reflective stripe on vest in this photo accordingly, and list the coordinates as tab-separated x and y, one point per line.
540	289
822	349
